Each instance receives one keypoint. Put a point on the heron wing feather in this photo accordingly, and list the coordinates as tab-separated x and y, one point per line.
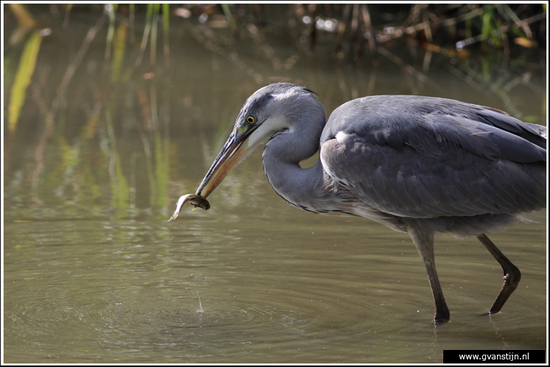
434	161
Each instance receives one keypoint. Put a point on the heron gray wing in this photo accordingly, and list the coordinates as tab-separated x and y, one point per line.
427	157
536	134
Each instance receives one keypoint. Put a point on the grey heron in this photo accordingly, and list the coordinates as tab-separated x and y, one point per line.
419	165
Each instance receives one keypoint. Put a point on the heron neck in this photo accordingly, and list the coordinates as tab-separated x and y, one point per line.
301	187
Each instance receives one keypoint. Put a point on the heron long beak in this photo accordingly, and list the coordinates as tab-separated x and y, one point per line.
230	154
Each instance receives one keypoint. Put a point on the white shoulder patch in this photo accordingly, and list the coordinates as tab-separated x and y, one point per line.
342	137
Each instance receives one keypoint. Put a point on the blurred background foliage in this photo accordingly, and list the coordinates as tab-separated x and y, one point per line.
135	44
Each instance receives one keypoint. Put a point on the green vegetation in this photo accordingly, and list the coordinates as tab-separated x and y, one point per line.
75	122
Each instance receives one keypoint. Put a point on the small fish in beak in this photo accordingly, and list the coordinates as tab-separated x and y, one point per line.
197	200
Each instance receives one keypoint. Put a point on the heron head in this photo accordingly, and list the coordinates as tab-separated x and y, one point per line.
269	110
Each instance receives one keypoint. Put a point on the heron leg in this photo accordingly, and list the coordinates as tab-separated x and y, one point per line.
512	275
424	243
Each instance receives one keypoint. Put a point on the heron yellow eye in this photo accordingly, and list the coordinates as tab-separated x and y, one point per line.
251	119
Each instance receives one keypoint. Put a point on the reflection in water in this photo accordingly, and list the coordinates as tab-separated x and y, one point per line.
92	271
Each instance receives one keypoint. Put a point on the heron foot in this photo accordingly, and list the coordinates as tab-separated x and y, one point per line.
511	278
442	317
